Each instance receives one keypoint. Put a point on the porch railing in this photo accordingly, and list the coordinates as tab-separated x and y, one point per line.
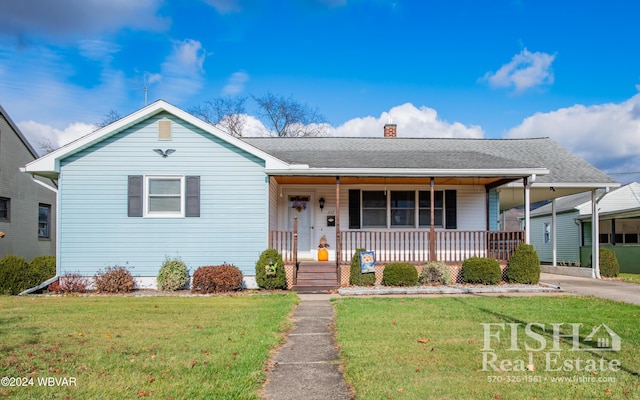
286	243
413	246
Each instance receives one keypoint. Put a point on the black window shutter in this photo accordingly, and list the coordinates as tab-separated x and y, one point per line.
192	197
451	213
135	194
354	208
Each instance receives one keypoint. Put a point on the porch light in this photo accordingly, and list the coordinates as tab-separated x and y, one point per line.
321	201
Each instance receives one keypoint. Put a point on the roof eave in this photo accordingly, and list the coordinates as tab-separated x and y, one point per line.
298	170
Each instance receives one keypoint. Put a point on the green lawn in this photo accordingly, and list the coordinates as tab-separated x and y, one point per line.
422	348
631	278
129	347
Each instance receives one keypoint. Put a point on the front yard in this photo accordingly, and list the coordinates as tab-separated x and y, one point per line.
127	347
422	348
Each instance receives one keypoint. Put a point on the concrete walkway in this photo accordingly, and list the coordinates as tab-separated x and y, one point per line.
307	366
607	289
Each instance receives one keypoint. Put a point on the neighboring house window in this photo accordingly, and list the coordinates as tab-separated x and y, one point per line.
370	209
546	233
44	221
4	209
604	238
164	196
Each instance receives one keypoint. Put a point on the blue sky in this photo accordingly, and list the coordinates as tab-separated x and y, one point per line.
569	70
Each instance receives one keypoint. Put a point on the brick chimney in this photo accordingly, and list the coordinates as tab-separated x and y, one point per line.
390	130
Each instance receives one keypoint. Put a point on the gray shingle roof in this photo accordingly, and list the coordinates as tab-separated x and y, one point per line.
434	153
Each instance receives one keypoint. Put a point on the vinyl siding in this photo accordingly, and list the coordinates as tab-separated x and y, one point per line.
567	238
25	195
95	231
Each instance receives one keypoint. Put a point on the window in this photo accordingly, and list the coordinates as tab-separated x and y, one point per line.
4	209
631	238
374	209
44	221
604	238
164	196
401	209
546	233
425	209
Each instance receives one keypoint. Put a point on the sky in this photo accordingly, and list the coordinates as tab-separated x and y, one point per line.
568	70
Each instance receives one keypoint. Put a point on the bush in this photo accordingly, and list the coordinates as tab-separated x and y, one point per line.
356	277
173	274
43	268
609	266
70	282
271	259
15	275
481	270
217	279
435	272
114	280
400	274
524	265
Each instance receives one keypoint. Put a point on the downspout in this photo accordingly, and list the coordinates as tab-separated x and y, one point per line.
55	278
553	232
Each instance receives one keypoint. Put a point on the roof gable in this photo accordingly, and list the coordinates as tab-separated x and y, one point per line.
18	132
49	164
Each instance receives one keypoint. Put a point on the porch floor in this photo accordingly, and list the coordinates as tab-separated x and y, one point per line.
316	276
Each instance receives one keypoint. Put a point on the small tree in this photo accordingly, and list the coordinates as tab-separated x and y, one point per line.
524	265
289	118
226	112
609	266
270	273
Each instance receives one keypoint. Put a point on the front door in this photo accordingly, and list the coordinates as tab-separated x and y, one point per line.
300	206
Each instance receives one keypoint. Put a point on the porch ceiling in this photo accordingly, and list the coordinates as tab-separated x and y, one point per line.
350	180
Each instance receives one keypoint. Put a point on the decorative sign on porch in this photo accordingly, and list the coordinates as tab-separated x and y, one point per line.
367	261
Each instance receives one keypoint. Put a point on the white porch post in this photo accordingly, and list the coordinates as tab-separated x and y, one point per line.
553	232
595	237
527	208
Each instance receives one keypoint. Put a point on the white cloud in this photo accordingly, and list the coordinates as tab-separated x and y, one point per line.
38	134
64	18
235	84
182	72
411	122
524	71
98	50
605	135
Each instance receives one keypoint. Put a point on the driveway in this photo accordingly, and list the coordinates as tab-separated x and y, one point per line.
614	290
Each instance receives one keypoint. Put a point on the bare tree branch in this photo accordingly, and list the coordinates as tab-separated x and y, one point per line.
109	118
226	112
46	146
289	118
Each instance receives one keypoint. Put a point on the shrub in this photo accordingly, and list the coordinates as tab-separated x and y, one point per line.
270	258
400	274
43	268
114	280
524	265
609	266
216	279
172	275
481	270
15	275
70	282
435	272
356	277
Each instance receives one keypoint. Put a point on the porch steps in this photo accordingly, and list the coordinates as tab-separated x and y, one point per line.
316	276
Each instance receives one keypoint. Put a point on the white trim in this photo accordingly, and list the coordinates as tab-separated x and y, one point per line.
51	161
164	214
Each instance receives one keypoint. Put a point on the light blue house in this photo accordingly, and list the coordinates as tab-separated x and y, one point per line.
162	183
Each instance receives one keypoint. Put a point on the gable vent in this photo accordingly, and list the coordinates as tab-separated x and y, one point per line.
164	129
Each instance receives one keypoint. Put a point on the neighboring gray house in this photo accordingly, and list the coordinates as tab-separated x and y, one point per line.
27	208
619	227
161	182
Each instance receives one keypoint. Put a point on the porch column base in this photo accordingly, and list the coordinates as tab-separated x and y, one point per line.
290	270
345	275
